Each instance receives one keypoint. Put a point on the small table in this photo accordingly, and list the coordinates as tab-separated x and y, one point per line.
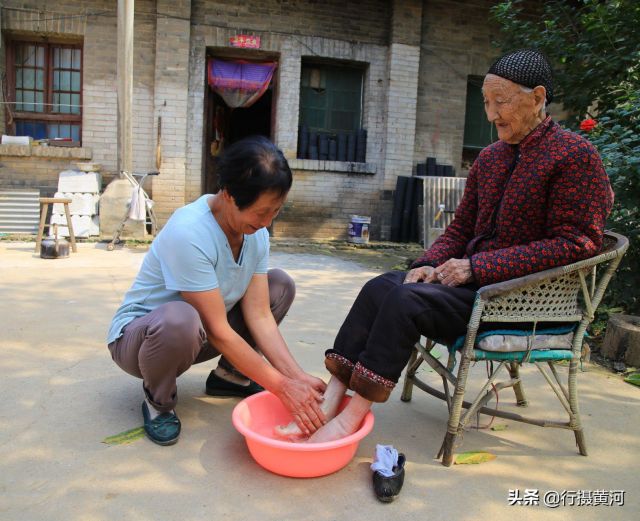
45	202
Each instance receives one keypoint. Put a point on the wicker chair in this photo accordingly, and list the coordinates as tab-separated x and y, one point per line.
566	294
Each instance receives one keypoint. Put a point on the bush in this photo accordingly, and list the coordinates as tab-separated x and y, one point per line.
617	137
594	47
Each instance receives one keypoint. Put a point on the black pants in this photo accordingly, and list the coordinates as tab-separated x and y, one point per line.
386	320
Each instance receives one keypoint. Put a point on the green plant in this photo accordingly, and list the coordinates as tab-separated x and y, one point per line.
594	47
617	137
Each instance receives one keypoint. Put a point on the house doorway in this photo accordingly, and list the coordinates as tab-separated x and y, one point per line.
226	125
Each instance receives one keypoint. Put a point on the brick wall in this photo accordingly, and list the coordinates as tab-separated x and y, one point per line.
418	55
171	102
320	202
37	167
364	21
400	106
98	32
455	43
3	70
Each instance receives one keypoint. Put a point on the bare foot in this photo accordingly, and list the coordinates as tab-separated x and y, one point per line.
332	398
289	432
334	430
347	422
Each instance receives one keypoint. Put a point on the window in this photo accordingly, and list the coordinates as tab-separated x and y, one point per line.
330	97
478	132
45	84
331	112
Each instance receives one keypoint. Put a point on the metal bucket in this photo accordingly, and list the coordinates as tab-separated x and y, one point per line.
54	248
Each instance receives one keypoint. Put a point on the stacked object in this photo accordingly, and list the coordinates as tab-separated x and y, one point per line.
361	145
323	147
341	146
83	188
303	141
351	147
433	169
408	196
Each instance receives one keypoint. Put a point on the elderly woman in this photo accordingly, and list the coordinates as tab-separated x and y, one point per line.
535	199
204	289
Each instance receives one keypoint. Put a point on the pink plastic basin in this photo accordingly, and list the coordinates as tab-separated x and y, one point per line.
255	418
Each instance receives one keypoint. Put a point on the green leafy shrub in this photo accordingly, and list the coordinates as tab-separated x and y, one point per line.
617	137
594	47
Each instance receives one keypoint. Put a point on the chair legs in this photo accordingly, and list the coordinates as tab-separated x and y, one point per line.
518	388
575	410
455	426
457	420
581	442
446	450
412	367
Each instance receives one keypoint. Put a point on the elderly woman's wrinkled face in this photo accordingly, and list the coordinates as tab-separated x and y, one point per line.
514	112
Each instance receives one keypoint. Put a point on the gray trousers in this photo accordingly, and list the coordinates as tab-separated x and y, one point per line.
160	346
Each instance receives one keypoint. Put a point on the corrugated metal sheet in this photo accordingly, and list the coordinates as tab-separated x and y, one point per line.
19	211
440	193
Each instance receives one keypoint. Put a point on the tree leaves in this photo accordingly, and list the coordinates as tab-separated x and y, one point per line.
473	458
633	378
125	437
594	47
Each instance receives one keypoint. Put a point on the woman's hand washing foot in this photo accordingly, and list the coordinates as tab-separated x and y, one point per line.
332	397
345	423
336	429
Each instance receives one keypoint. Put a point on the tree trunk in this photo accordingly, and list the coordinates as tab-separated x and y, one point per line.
622	339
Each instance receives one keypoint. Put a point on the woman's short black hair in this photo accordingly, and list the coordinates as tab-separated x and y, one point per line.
252	166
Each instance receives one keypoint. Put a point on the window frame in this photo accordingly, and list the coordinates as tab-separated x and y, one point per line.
334	64
47	116
483	127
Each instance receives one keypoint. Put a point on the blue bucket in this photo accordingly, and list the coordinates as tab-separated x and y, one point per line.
359	229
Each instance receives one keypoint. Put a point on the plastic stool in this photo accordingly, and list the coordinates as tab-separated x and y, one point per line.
45	202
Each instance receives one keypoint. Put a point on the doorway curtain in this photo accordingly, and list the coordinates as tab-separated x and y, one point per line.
240	83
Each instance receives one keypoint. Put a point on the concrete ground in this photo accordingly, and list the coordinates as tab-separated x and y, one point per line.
62	395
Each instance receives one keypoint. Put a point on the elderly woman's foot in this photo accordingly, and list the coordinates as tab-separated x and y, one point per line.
347	422
332	398
336	429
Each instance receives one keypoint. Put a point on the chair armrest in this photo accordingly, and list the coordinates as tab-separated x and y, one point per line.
506	286
617	245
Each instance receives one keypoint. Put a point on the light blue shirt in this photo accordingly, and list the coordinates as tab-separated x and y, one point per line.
191	253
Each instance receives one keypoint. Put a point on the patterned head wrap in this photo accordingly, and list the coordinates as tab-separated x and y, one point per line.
526	67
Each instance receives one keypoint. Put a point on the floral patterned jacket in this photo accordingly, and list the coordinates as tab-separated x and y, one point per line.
528	207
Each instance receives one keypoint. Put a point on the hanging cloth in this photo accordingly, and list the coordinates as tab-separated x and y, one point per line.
137	208
238	82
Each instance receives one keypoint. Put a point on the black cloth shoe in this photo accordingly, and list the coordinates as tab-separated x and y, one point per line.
217	386
388	488
164	429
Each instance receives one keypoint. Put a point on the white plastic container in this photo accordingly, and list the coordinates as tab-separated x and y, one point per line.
359	229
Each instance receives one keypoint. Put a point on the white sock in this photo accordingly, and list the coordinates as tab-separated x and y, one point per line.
220	372
153	412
